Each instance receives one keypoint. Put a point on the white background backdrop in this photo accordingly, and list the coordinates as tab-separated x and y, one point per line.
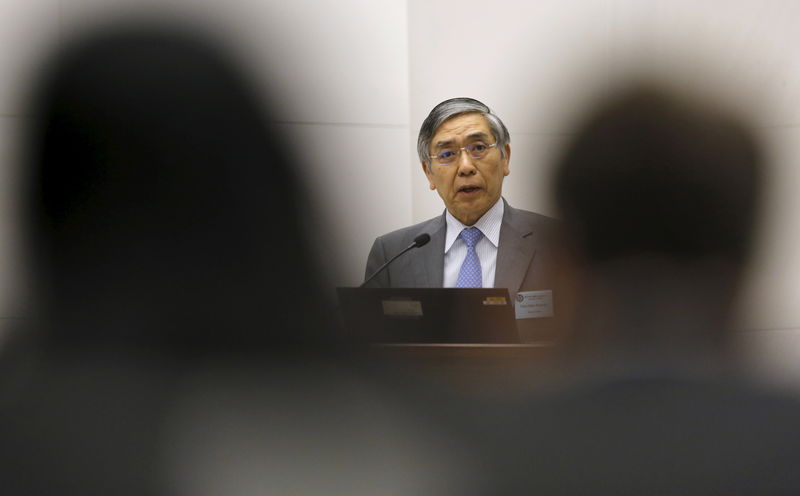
355	78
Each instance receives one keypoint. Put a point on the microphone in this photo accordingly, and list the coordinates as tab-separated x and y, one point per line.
420	240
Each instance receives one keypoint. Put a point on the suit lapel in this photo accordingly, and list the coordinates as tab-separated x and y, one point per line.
515	253
428	264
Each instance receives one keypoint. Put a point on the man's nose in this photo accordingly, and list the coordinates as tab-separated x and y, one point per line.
466	167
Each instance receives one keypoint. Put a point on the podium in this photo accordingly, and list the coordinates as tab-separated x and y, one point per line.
438	315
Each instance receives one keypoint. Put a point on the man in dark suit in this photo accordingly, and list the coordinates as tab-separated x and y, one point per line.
480	240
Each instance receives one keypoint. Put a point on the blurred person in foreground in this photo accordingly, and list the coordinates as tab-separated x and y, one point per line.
180	342
659	195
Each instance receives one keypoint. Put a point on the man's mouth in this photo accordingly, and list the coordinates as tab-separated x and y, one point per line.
468	189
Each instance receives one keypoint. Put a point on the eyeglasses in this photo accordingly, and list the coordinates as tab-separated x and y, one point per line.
448	155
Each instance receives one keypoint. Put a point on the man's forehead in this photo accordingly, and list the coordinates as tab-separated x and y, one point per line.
461	126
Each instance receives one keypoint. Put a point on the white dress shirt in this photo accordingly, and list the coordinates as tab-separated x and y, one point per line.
455	249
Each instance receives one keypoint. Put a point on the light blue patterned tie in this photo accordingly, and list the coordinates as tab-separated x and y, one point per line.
470	275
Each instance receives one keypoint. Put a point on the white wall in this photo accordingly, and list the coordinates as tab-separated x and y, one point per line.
356	78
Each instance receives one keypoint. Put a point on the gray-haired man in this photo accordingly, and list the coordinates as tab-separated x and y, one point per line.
479	241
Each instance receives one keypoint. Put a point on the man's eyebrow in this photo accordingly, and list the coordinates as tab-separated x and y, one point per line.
479	134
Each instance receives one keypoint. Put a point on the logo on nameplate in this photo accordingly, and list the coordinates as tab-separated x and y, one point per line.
534	304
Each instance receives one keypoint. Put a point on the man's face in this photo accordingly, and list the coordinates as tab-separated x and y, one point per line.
468	186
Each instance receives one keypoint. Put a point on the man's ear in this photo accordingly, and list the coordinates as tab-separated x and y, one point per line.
506	170
429	175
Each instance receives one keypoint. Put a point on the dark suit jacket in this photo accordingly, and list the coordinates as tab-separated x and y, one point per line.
525	260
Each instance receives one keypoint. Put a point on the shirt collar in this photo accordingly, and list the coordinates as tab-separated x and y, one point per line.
489	224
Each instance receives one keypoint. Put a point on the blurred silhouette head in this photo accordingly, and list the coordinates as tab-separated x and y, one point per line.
659	193
161	204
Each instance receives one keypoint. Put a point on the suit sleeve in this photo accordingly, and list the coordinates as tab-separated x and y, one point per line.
376	258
